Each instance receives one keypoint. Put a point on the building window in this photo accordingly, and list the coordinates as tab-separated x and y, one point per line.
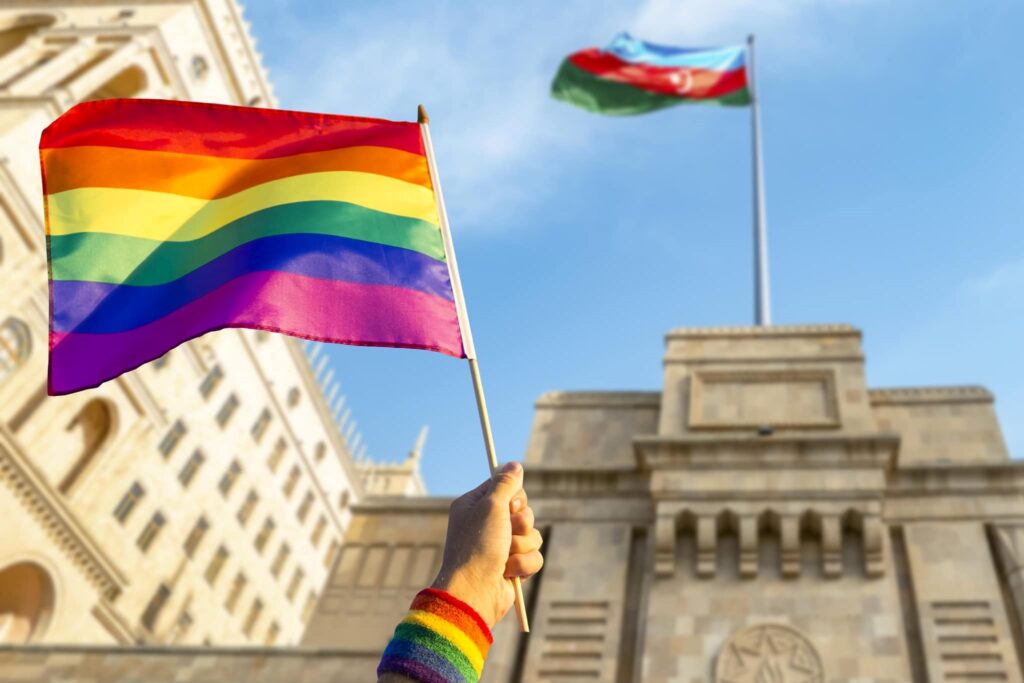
320	451
248	505
161	362
182	626
291	481
254	614
153	609
211	381
307	609
191	467
307	503
236	592
227	481
343	500
332	553
227	409
259	427
15	345
274	461
272	633
200	67
216	565
293	586
266	531
128	502
150	531
318	531
171	439
195	537
282	556
293	397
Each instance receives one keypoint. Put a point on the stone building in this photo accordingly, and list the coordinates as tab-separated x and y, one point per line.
204	497
764	517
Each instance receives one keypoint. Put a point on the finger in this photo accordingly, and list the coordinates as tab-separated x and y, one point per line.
524	565
527	543
522	521
508	481
519	501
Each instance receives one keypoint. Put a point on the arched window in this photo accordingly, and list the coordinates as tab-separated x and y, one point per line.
95	424
15	345
26	602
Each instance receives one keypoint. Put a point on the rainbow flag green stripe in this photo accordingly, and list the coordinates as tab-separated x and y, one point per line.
125	259
166	220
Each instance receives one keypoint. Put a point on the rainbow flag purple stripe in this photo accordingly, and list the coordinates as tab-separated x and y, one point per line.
166	220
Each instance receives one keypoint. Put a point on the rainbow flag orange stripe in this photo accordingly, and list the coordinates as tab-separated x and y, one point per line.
166	220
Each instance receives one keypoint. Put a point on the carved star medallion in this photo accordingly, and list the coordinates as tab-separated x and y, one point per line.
770	653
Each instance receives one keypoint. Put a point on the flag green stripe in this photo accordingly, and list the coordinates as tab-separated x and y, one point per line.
120	259
576	86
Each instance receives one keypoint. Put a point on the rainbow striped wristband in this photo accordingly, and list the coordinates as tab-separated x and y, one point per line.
441	640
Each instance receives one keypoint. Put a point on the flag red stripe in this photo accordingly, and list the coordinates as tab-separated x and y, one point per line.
221	130
682	82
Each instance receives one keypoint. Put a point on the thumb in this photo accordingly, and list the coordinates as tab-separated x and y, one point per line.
508	481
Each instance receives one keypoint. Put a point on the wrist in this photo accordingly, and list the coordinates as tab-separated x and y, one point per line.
478	595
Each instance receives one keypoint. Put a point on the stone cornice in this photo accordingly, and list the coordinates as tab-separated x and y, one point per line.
32	491
1005	478
917	395
599	399
778	451
383	505
557	482
763	331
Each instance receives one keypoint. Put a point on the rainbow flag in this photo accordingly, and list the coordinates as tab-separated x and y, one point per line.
633	77
166	220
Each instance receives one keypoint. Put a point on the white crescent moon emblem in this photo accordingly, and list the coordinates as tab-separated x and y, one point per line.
682	80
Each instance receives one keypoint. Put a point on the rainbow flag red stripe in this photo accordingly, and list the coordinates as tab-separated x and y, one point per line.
634	77
166	220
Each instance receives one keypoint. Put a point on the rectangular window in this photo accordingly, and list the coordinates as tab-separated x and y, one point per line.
216	565
191	467
150	531
171	438
259	427
272	633
332	554
318	531
236	592
266	531
227	481
182	626
248	505
211	381
291	481
227	409
254	614
195	537
307	609
274	461
307	502
293	586
161	362
282	556
128	502
155	606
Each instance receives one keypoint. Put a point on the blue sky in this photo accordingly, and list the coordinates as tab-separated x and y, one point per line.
894	154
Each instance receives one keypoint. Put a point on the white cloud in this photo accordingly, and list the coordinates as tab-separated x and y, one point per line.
484	72
1004	280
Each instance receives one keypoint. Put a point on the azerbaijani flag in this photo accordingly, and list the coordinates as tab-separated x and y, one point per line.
166	220
633	77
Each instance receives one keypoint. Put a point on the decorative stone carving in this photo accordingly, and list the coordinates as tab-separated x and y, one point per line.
768	653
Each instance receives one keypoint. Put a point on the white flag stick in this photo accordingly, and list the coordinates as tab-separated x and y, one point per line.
467	336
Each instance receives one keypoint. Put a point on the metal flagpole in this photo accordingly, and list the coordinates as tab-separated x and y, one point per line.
467	337
762	293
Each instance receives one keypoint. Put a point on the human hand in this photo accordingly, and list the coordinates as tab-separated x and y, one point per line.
490	540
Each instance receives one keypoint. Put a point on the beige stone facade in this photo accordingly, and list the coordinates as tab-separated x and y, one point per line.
204	497
764	518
